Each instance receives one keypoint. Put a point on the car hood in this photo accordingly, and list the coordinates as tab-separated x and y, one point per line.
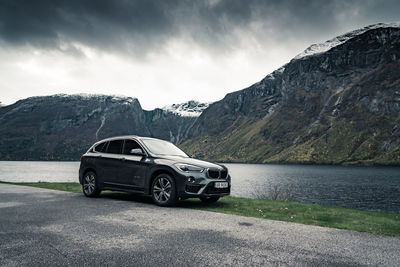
192	161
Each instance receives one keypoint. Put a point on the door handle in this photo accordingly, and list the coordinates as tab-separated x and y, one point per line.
123	159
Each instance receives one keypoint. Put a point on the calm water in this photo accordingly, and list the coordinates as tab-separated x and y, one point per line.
368	188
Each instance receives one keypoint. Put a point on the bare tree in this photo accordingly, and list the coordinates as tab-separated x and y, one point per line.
274	192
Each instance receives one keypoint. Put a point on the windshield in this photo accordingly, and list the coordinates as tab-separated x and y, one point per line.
160	147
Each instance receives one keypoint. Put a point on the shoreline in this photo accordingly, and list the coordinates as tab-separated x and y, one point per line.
346	164
375	222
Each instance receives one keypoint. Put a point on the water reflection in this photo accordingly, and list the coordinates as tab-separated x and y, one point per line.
368	188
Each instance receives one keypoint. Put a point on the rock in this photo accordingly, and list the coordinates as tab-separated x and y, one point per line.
318	108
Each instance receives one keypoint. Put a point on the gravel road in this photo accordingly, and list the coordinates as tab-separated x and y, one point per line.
40	227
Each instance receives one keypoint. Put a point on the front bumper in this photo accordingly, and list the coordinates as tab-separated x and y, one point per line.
199	186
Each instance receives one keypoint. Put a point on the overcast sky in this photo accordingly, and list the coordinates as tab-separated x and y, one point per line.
164	51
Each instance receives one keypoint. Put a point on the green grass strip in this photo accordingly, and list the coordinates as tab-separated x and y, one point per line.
312	214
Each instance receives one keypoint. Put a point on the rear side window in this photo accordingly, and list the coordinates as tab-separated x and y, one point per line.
101	147
114	147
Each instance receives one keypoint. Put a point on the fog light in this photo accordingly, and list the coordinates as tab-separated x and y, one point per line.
191	179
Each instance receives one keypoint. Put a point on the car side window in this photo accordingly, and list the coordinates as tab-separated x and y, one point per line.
115	147
129	145
101	147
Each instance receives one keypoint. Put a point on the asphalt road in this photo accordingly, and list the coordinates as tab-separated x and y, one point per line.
40	227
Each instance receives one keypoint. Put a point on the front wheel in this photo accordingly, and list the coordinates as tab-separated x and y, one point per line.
209	199
163	190
89	185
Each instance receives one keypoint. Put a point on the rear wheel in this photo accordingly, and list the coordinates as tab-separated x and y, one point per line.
163	190
209	199
89	185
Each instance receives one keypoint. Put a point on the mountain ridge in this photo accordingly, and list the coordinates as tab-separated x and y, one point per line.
283	117
62	127
340	106
338	40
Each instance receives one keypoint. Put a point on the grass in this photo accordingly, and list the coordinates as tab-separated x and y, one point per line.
312	214
69	187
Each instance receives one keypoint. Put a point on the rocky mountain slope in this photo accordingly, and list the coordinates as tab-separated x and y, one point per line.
62	127
335	103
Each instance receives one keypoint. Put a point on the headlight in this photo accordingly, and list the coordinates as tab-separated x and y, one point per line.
188	168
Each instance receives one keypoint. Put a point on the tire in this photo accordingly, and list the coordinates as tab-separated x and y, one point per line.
163	190
90	185
209	199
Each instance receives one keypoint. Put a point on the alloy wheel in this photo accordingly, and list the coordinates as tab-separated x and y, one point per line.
89	183
162	189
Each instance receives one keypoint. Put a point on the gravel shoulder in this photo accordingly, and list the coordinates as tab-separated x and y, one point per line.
47	227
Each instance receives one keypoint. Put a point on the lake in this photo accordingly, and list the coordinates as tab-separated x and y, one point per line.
366	188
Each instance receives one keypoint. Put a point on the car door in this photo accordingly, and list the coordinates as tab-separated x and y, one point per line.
134	167
111	163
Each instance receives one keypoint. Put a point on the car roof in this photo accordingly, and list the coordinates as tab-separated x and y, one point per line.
118	137
126	137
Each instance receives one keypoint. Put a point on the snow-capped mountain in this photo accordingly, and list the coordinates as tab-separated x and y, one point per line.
191	108
323	47
335	103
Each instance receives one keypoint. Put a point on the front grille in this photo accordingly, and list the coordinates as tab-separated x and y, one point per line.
213	174
211	190
224	174
192	188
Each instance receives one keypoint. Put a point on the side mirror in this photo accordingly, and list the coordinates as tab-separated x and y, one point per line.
137	152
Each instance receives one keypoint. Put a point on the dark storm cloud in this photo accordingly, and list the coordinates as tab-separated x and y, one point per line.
140	26
104	24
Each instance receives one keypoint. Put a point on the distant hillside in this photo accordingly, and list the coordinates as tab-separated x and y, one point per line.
62	127
335	103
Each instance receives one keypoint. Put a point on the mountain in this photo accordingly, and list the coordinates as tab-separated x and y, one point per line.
191	108
335	103
62	127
